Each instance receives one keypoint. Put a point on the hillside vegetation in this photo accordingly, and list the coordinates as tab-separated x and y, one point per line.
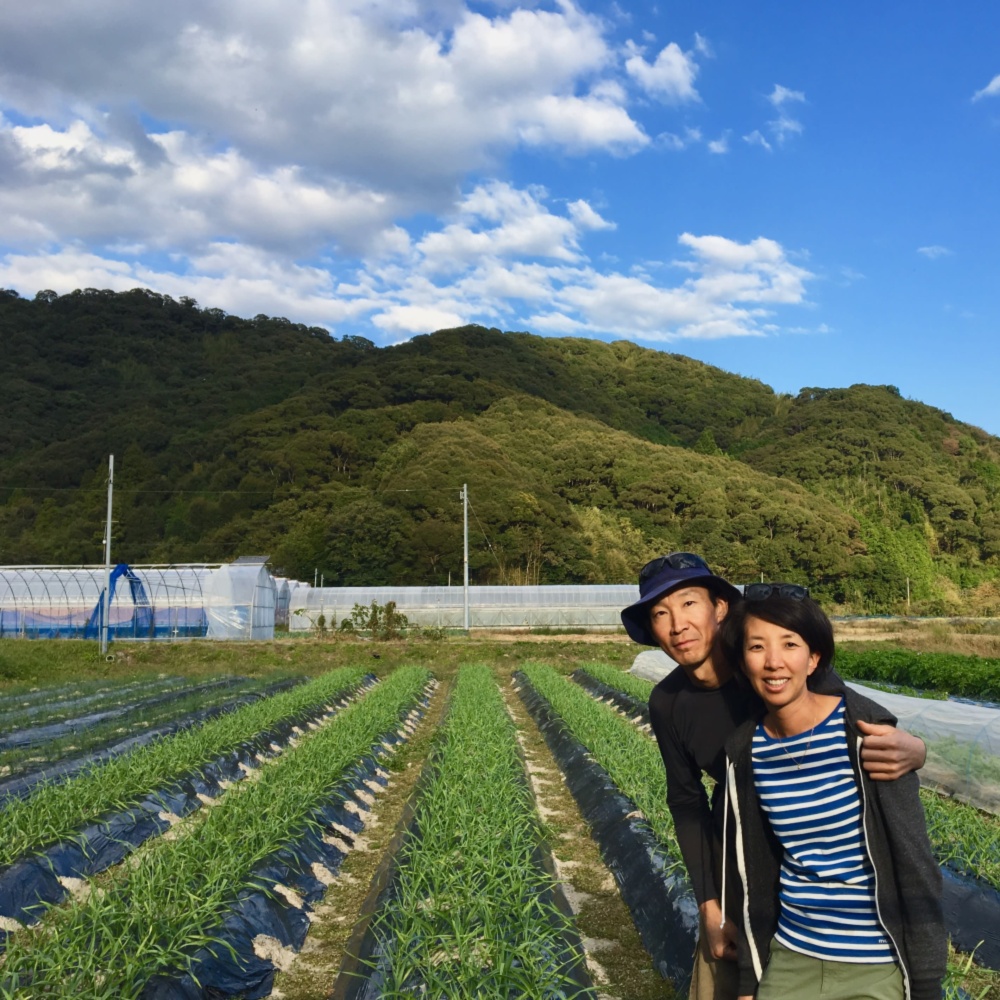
583	458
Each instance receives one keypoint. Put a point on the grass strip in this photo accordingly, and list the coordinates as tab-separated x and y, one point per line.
473	912
168	907
54	812
630	758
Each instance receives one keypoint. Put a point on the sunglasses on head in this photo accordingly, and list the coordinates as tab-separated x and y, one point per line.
762	591
676	560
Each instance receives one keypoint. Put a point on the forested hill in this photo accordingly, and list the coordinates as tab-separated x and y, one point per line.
583	459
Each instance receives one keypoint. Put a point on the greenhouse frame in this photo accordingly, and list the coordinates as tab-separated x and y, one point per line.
158	602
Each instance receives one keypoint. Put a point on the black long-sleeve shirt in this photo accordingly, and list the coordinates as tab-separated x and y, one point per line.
692	725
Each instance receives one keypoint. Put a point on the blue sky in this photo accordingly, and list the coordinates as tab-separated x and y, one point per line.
798	193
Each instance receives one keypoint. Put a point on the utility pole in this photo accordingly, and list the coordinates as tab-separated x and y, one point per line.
465	547
907	596
107	559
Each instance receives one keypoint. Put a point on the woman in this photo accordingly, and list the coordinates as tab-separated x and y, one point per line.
841	891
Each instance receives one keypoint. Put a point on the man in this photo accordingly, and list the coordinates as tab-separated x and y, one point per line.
693	712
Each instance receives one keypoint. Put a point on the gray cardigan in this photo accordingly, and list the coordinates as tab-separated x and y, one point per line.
907	878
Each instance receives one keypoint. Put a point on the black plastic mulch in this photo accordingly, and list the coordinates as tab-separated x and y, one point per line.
28	886
634	708
230	967
662	904
47	702
23	784
36	735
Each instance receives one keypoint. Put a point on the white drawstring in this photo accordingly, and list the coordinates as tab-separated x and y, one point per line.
725	843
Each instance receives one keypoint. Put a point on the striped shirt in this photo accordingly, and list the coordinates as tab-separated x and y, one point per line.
806	787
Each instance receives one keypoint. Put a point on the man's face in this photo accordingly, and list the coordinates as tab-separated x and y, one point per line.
685	623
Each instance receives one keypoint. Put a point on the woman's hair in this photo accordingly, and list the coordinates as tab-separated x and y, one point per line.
804	617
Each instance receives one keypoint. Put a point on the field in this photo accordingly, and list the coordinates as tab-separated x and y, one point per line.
350	819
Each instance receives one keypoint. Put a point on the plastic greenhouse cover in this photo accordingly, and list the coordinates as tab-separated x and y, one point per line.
489	606
963	744
240	602
230	601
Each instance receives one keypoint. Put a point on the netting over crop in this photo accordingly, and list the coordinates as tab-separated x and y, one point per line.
234	601
489	607
963	744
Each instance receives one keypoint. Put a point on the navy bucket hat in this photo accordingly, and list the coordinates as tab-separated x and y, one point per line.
663	574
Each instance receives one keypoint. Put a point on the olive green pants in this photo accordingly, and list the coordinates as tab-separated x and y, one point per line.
789	976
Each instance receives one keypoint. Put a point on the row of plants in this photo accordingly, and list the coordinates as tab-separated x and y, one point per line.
137	719
54	812
620	680
59	702
47	713
630	758
967	676
471	911
963	837
172	901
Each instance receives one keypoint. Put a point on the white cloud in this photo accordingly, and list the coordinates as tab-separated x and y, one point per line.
73	184
473	269
992	89
673	141
756	138
670	77
934	251
783	127
586	218
781	96
720	145
405	97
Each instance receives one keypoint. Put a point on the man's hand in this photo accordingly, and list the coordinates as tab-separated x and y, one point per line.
888	753
721	940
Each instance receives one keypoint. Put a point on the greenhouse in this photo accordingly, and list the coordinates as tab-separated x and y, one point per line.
230	601
561	606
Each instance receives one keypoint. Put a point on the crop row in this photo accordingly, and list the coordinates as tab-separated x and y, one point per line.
630	758
968	676
636	687
54	812
155	917
56	703
471	910
73	741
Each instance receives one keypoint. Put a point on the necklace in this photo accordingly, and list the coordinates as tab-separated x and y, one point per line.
801	760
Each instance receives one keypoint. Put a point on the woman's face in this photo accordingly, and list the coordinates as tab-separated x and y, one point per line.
777	662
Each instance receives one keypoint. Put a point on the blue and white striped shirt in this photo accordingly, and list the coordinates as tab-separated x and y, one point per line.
806	787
